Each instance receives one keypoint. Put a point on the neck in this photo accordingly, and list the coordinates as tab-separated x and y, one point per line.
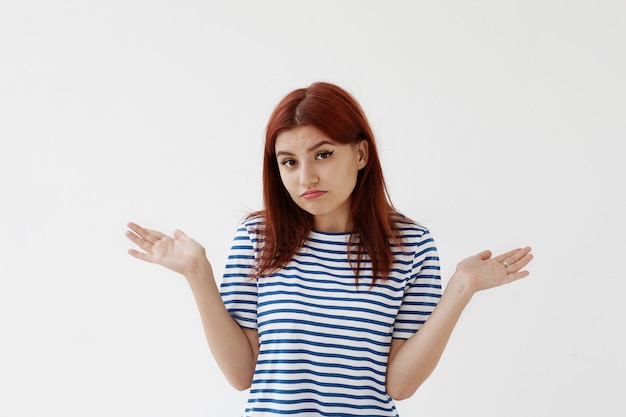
322	224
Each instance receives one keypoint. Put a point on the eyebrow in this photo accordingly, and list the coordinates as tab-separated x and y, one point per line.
311	149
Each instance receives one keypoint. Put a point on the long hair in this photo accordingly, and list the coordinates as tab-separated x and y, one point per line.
286	226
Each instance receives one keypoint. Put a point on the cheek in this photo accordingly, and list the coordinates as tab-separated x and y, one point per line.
350	175
287	179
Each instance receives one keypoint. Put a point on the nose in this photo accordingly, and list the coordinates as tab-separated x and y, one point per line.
308	174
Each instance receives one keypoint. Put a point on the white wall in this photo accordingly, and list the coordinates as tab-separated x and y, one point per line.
500	123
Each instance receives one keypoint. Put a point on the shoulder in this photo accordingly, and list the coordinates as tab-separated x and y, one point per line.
252	226
407	228
254	221
412	236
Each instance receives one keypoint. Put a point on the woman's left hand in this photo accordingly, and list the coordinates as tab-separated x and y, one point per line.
481	271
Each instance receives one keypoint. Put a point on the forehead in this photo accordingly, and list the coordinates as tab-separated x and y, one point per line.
301	137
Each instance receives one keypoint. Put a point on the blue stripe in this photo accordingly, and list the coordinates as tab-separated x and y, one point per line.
322	355
334	346
325	325
235	256
322	403
322	315
269	294
264	333
229	293
325	365
325	260
301	410
318	383
320	393
239	247
327	290
307	371
329	307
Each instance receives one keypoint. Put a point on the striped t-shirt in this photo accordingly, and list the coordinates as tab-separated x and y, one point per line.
324	339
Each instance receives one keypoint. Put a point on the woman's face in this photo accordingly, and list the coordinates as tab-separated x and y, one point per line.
320	174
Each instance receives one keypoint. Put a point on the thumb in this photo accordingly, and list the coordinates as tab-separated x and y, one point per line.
484	255
179	234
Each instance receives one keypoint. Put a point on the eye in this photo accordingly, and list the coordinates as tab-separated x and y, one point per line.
288	162
324	155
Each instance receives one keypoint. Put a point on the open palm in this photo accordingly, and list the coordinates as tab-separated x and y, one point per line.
179	252
482	272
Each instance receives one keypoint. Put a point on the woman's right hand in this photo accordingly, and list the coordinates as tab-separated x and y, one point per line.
179	253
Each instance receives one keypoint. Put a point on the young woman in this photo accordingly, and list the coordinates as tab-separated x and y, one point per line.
331	301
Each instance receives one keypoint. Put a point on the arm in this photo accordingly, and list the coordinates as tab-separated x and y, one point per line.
234	348
412	361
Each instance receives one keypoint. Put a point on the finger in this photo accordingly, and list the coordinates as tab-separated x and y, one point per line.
139	255
506	256
139	241
522	262
515	260
484	255
517	275
146	234
517	267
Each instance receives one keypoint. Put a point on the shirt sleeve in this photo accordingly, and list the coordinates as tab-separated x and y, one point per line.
423	289
238	289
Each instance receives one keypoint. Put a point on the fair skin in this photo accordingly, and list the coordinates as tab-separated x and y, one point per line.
320	174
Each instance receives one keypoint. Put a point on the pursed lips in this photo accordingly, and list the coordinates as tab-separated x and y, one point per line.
312	194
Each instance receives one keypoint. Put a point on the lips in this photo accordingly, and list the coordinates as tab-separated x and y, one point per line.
312	194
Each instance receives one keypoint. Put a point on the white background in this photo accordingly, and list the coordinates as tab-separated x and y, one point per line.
500	123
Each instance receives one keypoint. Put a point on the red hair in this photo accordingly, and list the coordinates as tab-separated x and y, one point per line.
286	226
